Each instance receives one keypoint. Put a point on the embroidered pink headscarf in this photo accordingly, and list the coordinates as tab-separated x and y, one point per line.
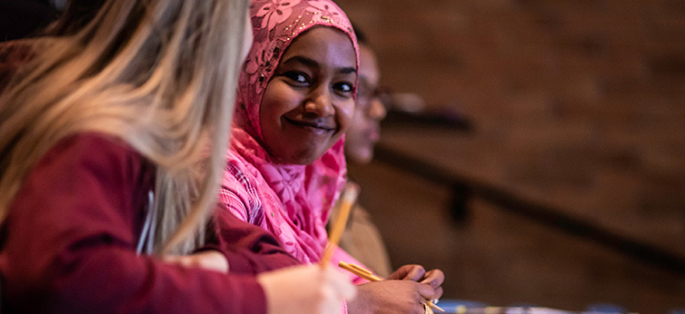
291	201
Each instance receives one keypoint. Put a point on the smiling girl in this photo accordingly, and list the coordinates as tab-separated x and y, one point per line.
286	166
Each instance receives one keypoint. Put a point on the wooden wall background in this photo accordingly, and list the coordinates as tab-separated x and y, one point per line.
579	104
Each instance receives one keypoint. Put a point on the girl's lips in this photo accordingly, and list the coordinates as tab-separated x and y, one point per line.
321	127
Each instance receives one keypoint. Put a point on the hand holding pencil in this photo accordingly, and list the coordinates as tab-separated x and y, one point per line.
368	275
383	296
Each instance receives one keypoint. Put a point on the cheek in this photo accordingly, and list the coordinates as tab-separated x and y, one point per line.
345	114
277	100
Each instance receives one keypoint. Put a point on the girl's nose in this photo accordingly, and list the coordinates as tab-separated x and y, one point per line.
320	103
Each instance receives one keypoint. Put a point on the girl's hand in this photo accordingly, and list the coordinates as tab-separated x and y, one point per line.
210	260
306	290
408	272
433	278
391	296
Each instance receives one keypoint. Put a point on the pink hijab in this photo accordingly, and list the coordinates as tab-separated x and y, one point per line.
291	201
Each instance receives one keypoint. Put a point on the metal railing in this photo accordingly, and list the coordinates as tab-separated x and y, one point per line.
464	189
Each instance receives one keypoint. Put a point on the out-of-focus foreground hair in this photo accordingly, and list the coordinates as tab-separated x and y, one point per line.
159	75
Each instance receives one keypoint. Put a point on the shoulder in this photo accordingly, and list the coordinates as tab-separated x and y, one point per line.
84	182
94	148
93	157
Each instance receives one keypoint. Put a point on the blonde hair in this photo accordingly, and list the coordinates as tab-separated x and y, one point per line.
158	74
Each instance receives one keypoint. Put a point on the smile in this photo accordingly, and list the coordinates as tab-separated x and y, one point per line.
311	125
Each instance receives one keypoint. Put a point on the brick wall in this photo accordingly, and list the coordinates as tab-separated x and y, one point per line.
576	103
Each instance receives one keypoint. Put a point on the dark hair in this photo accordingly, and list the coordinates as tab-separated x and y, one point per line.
361	37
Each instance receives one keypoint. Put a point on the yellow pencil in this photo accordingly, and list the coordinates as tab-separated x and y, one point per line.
349	197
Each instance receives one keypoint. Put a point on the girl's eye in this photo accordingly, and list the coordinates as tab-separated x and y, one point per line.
297	77
344	88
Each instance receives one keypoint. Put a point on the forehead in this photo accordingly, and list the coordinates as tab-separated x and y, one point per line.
329	46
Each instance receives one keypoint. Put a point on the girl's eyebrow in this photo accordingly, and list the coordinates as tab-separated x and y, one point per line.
311	63
348	70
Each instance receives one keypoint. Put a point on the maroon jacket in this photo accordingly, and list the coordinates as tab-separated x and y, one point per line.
68	242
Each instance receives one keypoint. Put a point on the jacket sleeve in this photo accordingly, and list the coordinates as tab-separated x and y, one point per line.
249	248
67	244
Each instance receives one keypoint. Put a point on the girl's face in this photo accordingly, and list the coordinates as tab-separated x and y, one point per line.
308	104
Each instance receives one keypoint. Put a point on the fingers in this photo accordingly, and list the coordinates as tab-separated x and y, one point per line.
210	260
430	282
409	272
438	293
337	288
340	284
415	273
418	307
305	290
331	302
426	292
434	278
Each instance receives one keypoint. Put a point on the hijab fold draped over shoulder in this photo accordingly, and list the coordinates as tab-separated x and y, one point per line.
291	201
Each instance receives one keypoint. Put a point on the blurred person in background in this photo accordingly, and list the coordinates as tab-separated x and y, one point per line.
362	239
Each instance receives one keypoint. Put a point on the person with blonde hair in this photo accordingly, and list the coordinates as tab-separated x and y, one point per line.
112	140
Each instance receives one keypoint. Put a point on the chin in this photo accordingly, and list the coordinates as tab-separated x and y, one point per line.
297	155
301	158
